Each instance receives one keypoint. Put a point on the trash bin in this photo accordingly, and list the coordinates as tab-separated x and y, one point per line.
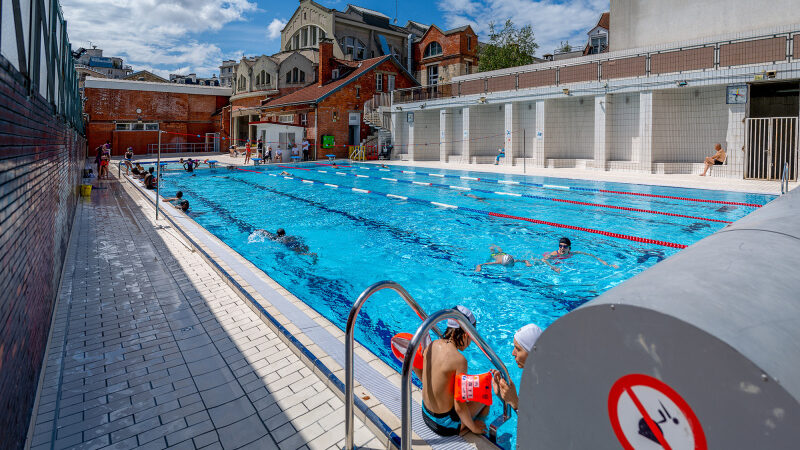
86	190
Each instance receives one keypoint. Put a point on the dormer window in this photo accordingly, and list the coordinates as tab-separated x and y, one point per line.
334	74
433	49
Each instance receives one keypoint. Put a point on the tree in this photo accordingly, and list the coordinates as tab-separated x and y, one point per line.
564	48
508	47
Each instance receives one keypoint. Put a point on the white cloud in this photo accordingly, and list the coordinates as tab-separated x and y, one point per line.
552	21
275	27
154	34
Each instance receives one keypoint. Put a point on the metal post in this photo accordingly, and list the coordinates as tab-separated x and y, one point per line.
349	344
524	153
158	173
405	384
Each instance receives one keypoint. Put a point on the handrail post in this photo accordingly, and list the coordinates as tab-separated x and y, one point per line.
405	384
349	381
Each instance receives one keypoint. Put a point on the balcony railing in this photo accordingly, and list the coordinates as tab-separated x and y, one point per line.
761	49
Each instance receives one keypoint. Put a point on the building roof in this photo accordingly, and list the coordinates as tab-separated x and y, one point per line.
316	93
129	85
604	22
417	24
149	76
446	33
371	12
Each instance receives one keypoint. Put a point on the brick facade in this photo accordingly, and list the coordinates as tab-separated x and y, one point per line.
458	47
40	168
185	114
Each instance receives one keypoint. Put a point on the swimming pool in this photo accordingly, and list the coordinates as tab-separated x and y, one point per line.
362	236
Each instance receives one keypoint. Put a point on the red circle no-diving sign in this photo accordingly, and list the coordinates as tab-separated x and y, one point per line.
648	414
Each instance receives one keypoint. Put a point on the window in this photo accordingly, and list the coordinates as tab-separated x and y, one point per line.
389	83
296	41
468	67
304	37
433	74
335	115
286	118
433	49
307	36
358	91
242	83
151	126
334	74
303	119
598	44
136	126
354	47
379	82
469	42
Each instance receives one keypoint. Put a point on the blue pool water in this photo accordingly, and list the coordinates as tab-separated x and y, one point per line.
361	238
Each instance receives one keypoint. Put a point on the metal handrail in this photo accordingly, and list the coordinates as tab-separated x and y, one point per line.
785	178
405	392
349	344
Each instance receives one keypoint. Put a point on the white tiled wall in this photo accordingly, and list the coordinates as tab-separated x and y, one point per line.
487	125
455	123
569	128
622	126
426	135
399	133
525	120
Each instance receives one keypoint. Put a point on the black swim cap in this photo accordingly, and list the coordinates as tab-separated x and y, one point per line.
565	240
179	194
281	232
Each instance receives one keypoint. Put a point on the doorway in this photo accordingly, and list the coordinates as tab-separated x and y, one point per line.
354	130
771	137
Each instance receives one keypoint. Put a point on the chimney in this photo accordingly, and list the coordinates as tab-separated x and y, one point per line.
325	57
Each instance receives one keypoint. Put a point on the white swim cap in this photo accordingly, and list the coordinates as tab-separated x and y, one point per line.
526	336
452	323
507	260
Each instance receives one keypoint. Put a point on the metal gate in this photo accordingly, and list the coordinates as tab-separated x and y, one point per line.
769	143
212	142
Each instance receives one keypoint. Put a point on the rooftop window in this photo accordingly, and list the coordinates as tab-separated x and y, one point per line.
433	49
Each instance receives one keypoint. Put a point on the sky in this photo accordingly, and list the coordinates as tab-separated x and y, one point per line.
195	36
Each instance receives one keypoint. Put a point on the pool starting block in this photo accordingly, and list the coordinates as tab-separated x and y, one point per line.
212	164
295	158
331	157
256	161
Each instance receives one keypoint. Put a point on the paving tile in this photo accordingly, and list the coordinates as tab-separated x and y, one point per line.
242	432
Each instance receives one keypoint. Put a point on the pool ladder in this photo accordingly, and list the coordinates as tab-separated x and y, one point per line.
785	179
429	323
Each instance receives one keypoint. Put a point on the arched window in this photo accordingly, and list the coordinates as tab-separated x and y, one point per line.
242	83
305	37
354	47
433	49
295	76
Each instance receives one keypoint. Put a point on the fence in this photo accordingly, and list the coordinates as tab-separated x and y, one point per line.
184	147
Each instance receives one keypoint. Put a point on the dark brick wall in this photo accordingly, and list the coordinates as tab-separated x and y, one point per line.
40	167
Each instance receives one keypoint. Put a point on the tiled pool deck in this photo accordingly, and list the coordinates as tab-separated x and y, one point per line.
150	348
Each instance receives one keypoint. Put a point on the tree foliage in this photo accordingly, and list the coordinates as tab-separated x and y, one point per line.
564	47
507	47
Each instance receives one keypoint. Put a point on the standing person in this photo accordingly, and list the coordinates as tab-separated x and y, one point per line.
98	157
247	151
442	361
104	161
268	156
295	151
524	340
260	148
305	149
128	160
714	160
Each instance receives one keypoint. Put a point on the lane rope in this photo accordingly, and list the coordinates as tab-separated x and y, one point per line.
489	213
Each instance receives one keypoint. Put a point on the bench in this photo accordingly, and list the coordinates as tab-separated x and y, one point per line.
212	163
256	161
331	157
571	163
695	168
295	158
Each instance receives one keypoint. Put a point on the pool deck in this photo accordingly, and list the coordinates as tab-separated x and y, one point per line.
151	348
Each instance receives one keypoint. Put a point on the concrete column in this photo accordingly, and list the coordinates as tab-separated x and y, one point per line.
445	135
250	129
540	135
644	154
235	132
397	142
411	138
466	155
513	134
600	146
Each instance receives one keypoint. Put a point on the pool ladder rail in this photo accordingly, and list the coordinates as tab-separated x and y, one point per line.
785	179
429	323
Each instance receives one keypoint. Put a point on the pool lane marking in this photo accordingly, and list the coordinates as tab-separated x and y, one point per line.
537	197
508	216
580	189
331	185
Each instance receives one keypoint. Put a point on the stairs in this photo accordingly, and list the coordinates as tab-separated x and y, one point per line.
376	115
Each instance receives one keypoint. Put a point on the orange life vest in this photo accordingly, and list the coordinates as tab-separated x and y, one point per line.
399	345
474	388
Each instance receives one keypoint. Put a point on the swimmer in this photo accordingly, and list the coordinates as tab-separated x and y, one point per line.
524	340
183	205
178	196
188	165
565	251
480	199
500	257
286	174
384	166
291	242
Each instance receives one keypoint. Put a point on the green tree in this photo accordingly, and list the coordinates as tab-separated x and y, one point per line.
564	48
507	47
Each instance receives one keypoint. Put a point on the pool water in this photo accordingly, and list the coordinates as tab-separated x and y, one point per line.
360	238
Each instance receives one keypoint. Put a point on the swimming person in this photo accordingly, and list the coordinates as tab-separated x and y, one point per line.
178	196
498	256
565	251
524	339
293	243
286	174
442	361
183	205
188	165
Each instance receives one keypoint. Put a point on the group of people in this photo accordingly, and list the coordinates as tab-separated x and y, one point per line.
148	177
265	153
551	259
102	159
178	201
443	409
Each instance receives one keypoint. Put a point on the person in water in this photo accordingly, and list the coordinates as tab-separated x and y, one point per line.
565	251
442	361
286	174
500	257
291	242
524	340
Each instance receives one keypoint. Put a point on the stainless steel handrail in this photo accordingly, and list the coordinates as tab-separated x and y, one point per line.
405	392
785	178
349	344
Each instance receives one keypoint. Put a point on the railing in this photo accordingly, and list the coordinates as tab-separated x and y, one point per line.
349	344
723	54
373	114
405	388
181	147
785	179
357	152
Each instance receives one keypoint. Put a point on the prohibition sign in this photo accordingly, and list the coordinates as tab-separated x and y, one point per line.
646	413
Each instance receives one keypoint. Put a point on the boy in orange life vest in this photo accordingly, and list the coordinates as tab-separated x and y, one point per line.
442	362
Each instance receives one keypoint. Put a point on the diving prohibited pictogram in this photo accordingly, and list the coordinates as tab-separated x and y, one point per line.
646	413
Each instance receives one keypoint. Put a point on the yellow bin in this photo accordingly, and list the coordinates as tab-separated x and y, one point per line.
86	190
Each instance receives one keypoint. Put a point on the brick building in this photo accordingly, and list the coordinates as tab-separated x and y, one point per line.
334	105
441	55
130	113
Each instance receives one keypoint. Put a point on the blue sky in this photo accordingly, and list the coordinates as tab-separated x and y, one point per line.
183	36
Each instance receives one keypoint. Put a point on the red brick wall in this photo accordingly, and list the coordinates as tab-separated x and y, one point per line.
40	171
188	114
452	45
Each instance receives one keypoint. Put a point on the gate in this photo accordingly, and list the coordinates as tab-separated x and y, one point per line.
769	143
212	142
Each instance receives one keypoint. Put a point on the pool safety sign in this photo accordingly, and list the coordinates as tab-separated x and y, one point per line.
646	413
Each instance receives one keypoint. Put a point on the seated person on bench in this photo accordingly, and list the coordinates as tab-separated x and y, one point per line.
716	159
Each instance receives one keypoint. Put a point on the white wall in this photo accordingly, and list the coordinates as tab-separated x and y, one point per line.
399	134
455	125
569	128
687	122
487	127
525	120
426	135
622	126
640	23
